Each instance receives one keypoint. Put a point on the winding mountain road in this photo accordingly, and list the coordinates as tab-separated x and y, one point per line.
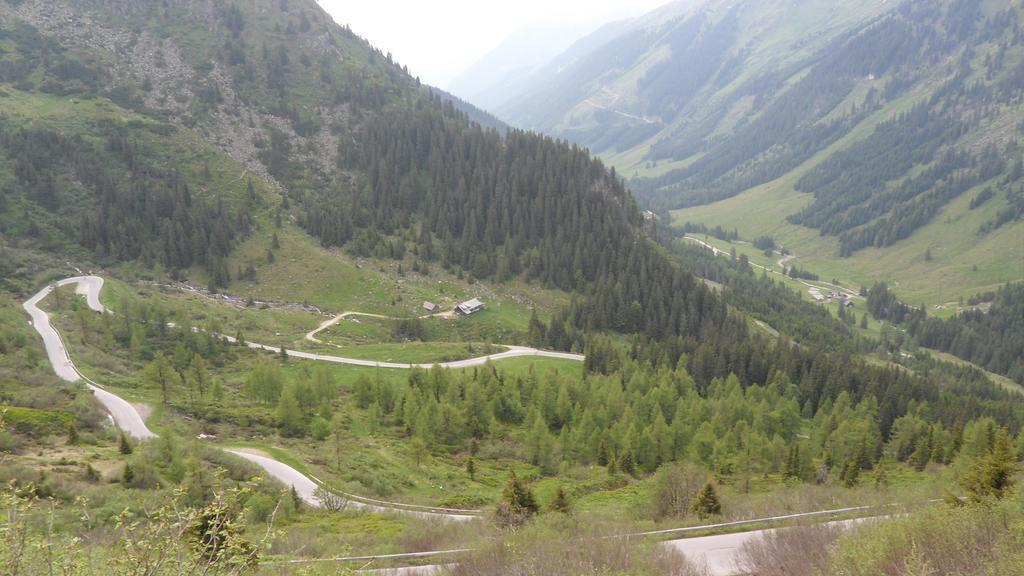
124	415
128	419
718	553
512	352
306	488
782	262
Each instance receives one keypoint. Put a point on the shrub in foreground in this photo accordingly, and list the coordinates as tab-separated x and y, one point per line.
977	539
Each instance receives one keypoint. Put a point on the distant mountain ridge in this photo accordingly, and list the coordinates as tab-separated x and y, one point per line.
866	119
522	57
488	82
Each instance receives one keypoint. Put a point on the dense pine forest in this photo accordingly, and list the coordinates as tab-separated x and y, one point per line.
494	206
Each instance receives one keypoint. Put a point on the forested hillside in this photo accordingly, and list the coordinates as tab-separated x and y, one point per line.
109	195
361	156
987	336
865	123
335	135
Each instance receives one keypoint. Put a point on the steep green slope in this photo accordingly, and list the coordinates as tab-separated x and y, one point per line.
858	131
351	148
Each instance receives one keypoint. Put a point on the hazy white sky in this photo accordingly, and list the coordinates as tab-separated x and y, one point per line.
437	39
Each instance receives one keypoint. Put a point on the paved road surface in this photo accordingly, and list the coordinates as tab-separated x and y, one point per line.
428	570
720	553
512	352
306	488
121	412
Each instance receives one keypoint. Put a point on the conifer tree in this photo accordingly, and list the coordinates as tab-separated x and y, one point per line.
518	497
125	447
338	428
791	468
991	475
419	450
613	466
561	502
706	503
881	478
602	454
850	474
627	463
217	391
536	331
159	372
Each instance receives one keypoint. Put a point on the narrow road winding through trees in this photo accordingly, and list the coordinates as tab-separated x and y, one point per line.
128	419
718	553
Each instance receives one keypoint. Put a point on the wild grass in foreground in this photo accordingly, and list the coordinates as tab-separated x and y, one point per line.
970	540
175	539
559	545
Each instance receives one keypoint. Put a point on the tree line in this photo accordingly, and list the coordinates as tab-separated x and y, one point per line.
638	419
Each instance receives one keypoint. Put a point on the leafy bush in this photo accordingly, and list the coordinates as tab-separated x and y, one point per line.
796	551
9	442
674	489
172	540
259	507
